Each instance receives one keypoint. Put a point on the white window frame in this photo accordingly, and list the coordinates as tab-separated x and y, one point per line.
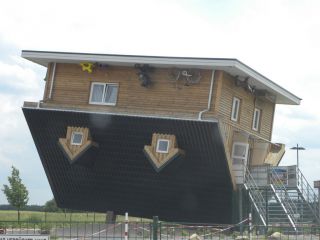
235	110
256	119
104	91
243	158
158	143
72	135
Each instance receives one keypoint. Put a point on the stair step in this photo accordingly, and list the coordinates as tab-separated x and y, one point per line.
285	205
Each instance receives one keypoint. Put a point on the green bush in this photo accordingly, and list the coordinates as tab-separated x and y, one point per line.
34	218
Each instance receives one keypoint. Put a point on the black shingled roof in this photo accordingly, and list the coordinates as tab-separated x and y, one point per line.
195	188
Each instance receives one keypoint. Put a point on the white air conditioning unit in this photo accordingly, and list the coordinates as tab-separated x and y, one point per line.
239	160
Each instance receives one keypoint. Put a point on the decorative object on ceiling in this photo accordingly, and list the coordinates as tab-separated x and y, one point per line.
162	151
78	146
143	73
87	67
244	83
101	65
188	76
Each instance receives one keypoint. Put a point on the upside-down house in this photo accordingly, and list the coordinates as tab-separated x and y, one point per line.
186	139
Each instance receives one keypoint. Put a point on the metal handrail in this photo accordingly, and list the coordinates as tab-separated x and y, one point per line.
291	218
255	195
308	194
286	202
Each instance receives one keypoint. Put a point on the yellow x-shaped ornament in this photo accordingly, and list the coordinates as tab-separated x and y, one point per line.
87	67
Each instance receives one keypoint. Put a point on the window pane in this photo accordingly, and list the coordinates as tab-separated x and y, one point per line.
235	109
97	93
240	150
256	119
237	161
162	146
76	138
111	94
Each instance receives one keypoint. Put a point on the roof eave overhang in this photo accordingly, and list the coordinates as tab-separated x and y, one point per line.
288	97
44	58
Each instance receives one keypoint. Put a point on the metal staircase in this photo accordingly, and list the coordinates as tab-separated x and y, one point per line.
309	196
276	202
256	197
283	198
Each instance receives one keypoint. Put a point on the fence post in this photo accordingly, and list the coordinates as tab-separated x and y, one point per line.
126	226
250	226
240	209
267	210
155	227
318	202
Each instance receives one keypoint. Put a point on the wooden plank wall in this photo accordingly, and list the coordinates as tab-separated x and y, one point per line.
72	88
48	82
248	103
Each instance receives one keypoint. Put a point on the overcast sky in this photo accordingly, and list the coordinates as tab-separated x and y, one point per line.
279	39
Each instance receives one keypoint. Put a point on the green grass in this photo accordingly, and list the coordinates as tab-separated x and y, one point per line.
11	215
31	216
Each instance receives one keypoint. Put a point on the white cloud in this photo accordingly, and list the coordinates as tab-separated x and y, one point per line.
15	76
279	38
4	161
19	81
308	162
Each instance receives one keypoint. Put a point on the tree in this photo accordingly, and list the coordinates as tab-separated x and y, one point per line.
51	206
16	192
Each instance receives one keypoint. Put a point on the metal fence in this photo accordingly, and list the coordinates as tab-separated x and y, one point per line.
153	231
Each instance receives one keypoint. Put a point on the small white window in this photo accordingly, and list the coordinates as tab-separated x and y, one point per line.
76	138
235	109
240	152
256	119
163	146
104	93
